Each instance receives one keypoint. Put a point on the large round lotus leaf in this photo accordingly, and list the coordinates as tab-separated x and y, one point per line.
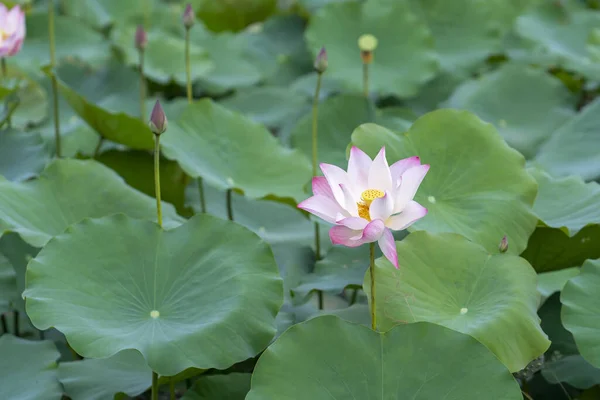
164	56
102	13
269	105
230	151
572	369
279	49
572	149
72	37
65	193
8	285
28	369
581	310
232	386
22	155
477	186
202	295
563	30
449	280
554	281
104	99
524	104
328	358
233	15
100	379
18	253
568	210
137	168
466	32
337	117
404	59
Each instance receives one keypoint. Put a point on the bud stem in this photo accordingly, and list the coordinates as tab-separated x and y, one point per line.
372	276
142	87
5	76
53	78
366	80
315	113
229	206
154	395
157	178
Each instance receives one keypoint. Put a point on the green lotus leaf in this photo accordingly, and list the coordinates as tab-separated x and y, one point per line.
8	285
268	105
22	155
400	67
466	32
89	379
562	340
232	386
581	310
65	193
30	96
551	249
230	151
279	50
137	169
164	56
477	186
17	254
28	369
327	357
73	38
563	31
102	13
572	148
233	15
337	117
572	369
544	103
571	232
554	281
451	281
204	294
97	100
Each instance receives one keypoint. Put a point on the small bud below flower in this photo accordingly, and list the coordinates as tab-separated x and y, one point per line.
189	18
321	61
503	246
158	120
141	39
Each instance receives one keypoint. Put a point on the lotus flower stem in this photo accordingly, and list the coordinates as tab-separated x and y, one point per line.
315	113
366	80
5	75
229	207
154	393
142	87
98	147
172	389
53	78
188	75
372	275
157	178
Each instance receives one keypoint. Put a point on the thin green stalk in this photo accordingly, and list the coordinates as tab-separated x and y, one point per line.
372	273
98	146
354	296
154	393
315	141
3	323
172	389
53	78
366	79
142	87
157	178
229	206
5	75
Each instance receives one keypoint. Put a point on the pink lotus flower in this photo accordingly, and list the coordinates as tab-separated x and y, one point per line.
12	30
369	201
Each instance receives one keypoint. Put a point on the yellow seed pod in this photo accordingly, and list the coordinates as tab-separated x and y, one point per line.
367	42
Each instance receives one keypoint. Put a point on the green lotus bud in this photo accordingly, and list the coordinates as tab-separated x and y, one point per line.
158	120
189	18
321	61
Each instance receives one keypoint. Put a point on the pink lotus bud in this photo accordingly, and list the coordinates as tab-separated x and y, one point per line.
12	30
503	246
158	120
321	61
189	18
141	38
